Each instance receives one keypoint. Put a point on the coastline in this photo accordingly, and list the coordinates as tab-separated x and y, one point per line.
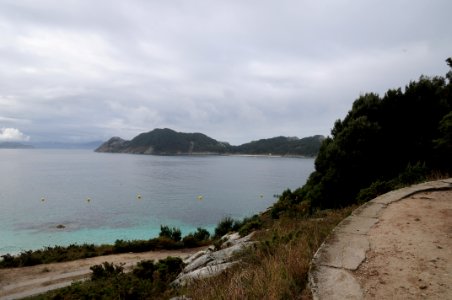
200	154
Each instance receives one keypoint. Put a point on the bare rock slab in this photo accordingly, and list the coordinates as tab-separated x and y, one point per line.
369	210
210	263
201	273
332	283
343	250
356	225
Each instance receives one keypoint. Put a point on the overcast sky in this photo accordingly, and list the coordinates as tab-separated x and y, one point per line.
236	70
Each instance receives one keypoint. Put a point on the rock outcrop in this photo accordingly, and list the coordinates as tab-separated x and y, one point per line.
209	262
113	145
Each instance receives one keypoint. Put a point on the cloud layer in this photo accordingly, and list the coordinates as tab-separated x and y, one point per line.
12	135
235	70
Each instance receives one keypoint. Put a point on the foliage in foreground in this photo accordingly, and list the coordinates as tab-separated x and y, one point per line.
148	280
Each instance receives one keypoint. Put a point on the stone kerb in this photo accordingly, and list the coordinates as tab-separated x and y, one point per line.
330	275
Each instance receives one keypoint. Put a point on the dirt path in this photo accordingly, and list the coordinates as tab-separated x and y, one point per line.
410	250
17	283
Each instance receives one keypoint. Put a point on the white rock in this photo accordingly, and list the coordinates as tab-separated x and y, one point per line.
209	263
191	258
204	272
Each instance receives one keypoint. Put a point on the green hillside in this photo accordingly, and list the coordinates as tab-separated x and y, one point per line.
169	142
281	145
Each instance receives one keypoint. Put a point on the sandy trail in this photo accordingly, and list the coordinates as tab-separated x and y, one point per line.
16	283
410	250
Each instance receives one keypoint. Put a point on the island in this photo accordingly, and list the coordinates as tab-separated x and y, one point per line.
169	142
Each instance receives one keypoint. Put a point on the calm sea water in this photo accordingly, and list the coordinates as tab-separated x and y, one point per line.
102	197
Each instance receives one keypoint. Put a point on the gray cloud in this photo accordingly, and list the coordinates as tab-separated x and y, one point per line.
235	70
12	135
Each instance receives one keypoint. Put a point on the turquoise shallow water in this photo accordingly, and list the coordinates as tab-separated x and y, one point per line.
130	196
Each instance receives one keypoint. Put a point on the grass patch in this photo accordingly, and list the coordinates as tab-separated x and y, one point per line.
278	267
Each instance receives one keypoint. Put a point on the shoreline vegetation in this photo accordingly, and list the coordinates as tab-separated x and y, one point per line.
383	143
168	239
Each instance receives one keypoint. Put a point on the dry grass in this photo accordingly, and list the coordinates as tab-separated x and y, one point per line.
277	267
437	175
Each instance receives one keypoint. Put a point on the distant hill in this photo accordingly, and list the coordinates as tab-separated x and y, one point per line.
67	145
281	145
165	142
113	145
169	142
14	145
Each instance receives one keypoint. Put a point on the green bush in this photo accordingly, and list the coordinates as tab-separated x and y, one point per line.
122	246
171	233
9	261
105	270
413	173
224	226
196	239
190	241
250	224
169	268
285	202
374	190
201	234
144	269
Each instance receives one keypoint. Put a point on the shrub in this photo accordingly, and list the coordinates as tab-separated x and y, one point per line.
144	269
413	173
122	246
201	234
196	239
169	267
105	270
374	190
224	226
285	202
167	243
250	224
9	261
190	241
30	258
171	233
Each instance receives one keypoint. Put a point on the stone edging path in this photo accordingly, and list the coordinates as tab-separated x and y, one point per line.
335	271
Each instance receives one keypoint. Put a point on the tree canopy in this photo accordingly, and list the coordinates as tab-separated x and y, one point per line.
381	139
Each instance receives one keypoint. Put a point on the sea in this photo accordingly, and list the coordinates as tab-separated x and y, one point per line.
62	197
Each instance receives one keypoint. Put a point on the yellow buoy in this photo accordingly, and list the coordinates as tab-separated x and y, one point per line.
43	199
138	196
88	200
200	198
